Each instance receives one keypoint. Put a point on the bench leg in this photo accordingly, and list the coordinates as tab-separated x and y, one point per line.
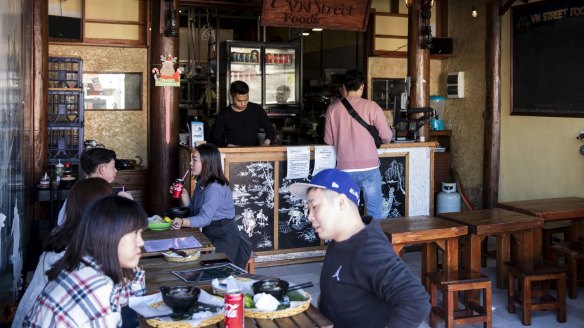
562	298
487	303
526	316
434	304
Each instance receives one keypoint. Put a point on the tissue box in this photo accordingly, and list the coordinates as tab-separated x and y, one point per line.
197	133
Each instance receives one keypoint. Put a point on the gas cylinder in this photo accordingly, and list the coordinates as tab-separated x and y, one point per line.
448	199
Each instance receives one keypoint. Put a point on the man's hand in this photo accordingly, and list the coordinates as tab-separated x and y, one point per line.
267	142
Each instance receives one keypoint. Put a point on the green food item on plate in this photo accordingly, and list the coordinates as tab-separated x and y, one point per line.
248	301
297	296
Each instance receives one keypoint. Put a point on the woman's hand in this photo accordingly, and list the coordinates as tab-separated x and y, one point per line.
177	223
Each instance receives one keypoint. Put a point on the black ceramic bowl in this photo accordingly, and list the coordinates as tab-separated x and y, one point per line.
178	212
275	287
180	298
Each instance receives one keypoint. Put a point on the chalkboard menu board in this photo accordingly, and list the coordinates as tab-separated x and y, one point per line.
252	184
294	229
394	186
548	64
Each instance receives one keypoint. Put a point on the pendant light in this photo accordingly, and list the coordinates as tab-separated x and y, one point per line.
474	12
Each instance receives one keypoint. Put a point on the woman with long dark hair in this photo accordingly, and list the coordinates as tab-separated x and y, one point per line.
99	271
81	195
212	206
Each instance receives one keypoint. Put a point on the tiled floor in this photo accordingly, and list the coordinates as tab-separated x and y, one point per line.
501	318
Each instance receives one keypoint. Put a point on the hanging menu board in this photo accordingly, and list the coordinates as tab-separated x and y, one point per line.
548	70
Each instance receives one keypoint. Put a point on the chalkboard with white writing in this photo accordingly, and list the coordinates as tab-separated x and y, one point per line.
548	64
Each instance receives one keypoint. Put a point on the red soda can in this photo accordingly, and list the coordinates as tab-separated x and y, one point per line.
233	309
177	188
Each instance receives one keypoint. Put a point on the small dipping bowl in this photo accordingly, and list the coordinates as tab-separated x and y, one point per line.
275	287
180	298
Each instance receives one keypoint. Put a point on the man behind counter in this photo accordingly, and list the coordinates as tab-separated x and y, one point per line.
239	123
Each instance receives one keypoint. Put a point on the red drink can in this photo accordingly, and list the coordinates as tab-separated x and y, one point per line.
177	188
234	309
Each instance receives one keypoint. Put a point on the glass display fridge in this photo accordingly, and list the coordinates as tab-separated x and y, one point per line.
272	71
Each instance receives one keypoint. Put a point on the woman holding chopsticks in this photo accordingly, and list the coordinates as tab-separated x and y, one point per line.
212	206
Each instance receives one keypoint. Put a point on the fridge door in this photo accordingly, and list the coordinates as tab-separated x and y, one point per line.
245	65
281	76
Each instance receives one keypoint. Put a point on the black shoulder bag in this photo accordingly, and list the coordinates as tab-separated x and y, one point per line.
372	129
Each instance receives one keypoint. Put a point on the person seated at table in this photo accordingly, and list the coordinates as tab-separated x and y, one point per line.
82	194
212	206
239	123
99	271
363	282
97	163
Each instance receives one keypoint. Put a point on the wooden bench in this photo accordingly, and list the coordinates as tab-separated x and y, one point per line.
543	273
573	252
549	230
460	281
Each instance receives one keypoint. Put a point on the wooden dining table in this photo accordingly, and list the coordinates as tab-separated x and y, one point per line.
432	233
553	209
159	273
149	235
502	224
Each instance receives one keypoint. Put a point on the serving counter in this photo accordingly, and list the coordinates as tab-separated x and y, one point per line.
277	223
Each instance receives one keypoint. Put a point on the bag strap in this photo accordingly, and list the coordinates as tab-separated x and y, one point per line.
356	116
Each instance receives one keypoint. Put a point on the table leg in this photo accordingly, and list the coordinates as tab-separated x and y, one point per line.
429	262
472	259
537	243
503	255
577	228
397	248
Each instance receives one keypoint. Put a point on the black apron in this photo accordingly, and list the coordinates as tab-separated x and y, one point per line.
227	239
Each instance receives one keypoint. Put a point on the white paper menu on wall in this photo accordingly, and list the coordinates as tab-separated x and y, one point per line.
298	163
324	158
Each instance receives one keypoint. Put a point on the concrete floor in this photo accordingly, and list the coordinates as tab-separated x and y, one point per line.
300	273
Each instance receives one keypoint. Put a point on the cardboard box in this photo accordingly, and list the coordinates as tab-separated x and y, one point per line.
197	133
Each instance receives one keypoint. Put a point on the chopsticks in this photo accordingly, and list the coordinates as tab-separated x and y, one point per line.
301	286
181	253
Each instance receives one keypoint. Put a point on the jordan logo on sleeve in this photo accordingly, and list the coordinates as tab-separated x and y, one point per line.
337	274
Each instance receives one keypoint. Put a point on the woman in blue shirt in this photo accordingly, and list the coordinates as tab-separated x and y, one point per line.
212	206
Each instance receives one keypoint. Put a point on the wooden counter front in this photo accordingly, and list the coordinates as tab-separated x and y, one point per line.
277	223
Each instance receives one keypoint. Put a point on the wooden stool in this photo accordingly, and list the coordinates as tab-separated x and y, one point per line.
573	252
461	281
549	230
543	272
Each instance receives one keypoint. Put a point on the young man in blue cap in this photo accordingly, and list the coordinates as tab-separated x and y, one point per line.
363	282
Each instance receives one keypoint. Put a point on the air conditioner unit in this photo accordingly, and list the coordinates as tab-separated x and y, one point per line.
455	85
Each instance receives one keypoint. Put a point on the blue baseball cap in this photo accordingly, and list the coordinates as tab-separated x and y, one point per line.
331	179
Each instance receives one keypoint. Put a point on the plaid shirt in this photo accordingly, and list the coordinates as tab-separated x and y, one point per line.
85	297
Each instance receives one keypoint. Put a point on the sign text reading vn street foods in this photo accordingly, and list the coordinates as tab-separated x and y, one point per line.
349	15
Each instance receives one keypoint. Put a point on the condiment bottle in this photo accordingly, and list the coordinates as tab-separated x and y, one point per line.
58	171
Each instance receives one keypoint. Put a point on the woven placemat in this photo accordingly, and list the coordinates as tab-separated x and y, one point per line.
257	314
181	324
193	255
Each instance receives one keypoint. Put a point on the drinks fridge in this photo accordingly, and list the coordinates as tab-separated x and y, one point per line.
272	71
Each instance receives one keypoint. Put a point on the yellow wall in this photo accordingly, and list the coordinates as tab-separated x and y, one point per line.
539	155
123	131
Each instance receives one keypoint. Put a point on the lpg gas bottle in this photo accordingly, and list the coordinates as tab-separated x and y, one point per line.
448	199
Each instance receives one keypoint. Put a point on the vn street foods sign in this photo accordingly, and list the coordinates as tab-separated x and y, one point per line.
349	15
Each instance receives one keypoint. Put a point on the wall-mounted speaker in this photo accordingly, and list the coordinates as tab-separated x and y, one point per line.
441	46
455	85
62	27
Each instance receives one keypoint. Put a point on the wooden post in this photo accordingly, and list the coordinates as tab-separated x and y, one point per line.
418	64
162	156
492	134
35	156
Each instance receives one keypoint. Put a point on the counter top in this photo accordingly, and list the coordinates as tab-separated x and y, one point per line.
280	148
